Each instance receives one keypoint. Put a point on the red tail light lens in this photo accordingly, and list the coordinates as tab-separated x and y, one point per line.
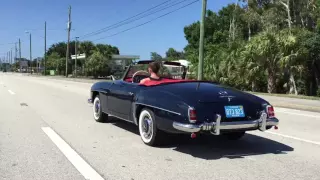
270	111
192	115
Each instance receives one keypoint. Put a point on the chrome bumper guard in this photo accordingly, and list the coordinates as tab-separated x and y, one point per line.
215	127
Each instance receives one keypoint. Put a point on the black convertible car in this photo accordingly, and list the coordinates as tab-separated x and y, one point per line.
177	105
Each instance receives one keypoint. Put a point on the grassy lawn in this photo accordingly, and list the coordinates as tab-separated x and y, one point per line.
288	95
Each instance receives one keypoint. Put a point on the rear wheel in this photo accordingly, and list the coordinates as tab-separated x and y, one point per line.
234	135
98	115
149	132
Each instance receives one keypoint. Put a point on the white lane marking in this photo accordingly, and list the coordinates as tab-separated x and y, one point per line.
296	112
11	92
307	115
81	165
295	138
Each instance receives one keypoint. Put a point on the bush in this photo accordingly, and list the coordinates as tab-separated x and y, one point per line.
318	92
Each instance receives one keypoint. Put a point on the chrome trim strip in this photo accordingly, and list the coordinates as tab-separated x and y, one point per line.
159	108
191	121
187	127
215	127
263	121
121	118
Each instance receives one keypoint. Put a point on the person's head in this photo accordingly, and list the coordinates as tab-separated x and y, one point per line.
154	67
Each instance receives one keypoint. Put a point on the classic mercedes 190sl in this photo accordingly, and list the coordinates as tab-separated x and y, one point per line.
177	105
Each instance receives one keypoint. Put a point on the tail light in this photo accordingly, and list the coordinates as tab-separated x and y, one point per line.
192	115
270	111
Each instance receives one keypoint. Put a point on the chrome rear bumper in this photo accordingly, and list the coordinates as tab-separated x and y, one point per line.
214	127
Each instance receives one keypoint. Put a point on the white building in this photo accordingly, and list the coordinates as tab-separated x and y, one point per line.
184	62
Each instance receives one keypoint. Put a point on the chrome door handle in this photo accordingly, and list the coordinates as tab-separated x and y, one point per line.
130	93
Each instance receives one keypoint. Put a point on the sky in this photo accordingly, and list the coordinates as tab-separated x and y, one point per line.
19	16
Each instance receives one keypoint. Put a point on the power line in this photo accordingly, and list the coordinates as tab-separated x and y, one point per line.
121	23
47	29
148	21
170	5
6	44
9	43
127	18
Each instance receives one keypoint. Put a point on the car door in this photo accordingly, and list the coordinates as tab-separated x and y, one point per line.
120	99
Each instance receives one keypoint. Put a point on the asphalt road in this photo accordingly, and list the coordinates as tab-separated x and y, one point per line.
47	132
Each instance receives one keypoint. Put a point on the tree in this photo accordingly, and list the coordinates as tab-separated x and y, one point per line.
57	53
87	47
55	62
155	56
261	45
172	54
59	48
265	49
107	49
97	65
311	49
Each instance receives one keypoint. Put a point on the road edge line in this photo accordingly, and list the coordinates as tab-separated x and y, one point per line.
80	164
295	138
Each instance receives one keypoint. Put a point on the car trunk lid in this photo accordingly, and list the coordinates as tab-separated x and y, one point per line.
210	99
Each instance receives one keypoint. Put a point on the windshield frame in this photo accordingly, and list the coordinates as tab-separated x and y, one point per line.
164	65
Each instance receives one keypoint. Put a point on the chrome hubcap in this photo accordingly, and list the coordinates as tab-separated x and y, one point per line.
147	127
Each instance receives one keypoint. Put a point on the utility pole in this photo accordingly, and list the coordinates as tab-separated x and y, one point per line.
68	45
45	47
30	52
20	55
11	56
203	15
15	52
76	52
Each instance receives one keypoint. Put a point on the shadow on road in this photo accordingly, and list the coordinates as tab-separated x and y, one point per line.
215	147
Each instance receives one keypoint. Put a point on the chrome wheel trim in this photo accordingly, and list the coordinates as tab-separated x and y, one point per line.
96	108
146	126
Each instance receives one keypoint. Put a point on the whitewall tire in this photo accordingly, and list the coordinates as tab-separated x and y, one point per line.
98	115
149	133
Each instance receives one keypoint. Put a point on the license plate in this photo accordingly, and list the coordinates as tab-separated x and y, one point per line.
234	111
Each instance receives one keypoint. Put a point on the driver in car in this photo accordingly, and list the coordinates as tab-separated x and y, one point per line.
153	69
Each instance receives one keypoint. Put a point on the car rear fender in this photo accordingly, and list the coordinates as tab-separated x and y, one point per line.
166	106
